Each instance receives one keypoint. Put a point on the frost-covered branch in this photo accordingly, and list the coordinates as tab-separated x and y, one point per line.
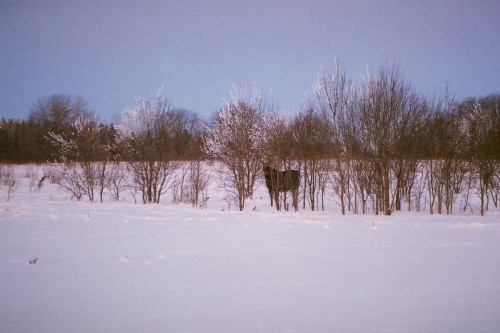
230	140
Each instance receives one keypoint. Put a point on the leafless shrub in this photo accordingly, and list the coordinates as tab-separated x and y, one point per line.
231	141
8	181
316	177
117	180
31	173
190	184
53	172
7	175
148	135
418	190
71	181
494	193
335	98
180	188
199	178
133	189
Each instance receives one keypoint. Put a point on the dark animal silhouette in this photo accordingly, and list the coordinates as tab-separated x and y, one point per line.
282	181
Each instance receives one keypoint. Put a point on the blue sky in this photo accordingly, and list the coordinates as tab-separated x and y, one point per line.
109	51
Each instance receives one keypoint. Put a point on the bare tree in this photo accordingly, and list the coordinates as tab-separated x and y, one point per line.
495	188
84	145
199	179
389	110
480	128
117	179
191	183
314	147
229	141
147	134
56	114
72	180
335	99
445	166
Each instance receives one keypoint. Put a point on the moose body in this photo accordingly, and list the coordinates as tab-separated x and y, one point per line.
282	181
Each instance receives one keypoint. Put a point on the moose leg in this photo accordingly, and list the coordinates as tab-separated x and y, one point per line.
295	199
277	199
271	196
285	198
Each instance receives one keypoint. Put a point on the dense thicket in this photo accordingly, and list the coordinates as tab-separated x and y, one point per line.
377	145
470	128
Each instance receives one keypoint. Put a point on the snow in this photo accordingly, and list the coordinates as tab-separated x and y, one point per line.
125	267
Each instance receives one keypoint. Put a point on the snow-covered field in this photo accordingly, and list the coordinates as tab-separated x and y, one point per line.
125	267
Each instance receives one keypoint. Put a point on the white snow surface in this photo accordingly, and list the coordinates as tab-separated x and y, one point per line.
125	267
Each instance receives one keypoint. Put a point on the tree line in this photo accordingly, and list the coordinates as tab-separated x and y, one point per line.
375	146
29	141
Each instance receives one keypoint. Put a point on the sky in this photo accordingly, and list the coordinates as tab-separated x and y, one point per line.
110	51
